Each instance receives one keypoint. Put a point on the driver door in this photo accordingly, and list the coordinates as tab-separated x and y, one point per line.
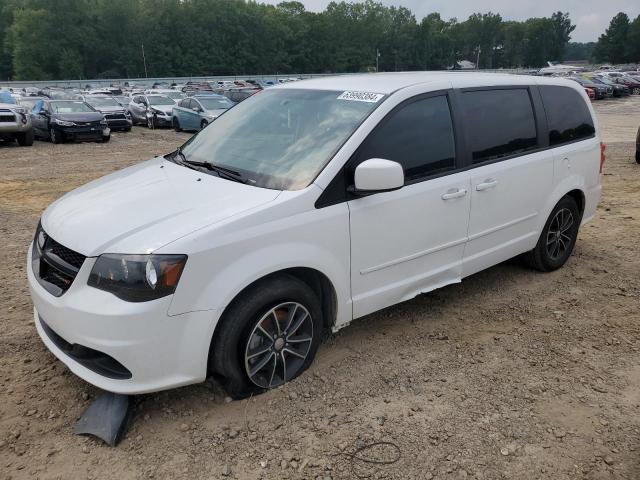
410	240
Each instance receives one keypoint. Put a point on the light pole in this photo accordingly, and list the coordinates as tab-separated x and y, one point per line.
144	59
377	57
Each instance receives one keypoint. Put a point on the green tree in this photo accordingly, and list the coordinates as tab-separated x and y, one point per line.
612	45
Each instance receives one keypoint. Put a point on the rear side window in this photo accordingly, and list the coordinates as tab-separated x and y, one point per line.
500	123
419	136
568	116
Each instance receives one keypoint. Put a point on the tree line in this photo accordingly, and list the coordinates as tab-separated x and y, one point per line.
73	39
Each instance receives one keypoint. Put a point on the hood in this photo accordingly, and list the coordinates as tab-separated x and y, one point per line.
215	113
163	108
144	207
109	109
79	117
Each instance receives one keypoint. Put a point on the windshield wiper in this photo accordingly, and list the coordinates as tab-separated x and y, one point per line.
222	172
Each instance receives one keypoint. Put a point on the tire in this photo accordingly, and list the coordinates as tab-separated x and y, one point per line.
176	124
638	155
106	139
151	123
636	91
558	237
25	139
127	129
238	334
203	124
54	136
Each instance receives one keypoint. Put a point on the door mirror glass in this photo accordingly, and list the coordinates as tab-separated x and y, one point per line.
378	175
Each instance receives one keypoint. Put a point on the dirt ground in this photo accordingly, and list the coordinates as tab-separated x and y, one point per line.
512	374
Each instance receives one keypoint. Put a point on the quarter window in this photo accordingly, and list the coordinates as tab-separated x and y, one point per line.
419	136
568	116
500	123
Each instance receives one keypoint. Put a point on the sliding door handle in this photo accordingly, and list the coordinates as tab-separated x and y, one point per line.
454	193
487	184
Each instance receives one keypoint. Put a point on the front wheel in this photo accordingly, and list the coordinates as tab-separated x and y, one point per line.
55	136
558	237
176	124
636	91
26	139
106	138
203	124
151	123
267	337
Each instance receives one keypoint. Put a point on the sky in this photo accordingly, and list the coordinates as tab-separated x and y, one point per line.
591	17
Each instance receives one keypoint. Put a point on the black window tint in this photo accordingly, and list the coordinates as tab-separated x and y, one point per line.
568	116
499	122
419	136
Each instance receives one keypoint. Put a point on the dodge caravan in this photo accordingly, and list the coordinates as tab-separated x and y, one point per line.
305	207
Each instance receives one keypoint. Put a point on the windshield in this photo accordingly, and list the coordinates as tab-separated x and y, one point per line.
280	139
102	102
160	100
215	103
70	107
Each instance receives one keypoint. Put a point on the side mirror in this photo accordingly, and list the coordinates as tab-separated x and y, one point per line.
378	175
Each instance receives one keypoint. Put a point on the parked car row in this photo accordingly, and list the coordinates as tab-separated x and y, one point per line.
606	84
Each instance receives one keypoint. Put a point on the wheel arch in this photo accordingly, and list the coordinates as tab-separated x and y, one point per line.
315	279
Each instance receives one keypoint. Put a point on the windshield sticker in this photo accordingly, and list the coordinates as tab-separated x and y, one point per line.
368	97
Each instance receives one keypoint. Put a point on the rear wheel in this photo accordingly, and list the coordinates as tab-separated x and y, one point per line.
267	337
558	237
25	139
176	124
636	91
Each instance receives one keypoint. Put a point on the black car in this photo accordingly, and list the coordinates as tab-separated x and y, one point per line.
117	117
618	90
60	120
601	91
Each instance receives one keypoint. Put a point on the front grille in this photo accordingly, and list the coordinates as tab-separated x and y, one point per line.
74	258
54	265
115	116
7	118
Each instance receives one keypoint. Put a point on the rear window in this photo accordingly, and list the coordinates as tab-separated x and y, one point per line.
568	116
500	123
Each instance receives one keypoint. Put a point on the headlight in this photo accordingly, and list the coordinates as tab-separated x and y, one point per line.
63	123
137	278
19	110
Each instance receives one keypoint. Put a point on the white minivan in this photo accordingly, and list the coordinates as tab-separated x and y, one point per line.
302	208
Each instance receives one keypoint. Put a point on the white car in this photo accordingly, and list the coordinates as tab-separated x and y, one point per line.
301	209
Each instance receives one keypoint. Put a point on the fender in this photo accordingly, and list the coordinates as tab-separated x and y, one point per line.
566	185
226	258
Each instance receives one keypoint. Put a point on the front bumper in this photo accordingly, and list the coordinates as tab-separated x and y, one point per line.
19	125
161	120
159	351
116	124
89	133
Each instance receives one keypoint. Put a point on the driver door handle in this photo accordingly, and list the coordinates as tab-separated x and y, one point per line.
454	193
487	184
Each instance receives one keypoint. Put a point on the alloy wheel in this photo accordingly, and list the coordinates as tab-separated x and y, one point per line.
558	239
278	345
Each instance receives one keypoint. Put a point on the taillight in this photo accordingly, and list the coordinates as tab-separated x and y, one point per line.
603	157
